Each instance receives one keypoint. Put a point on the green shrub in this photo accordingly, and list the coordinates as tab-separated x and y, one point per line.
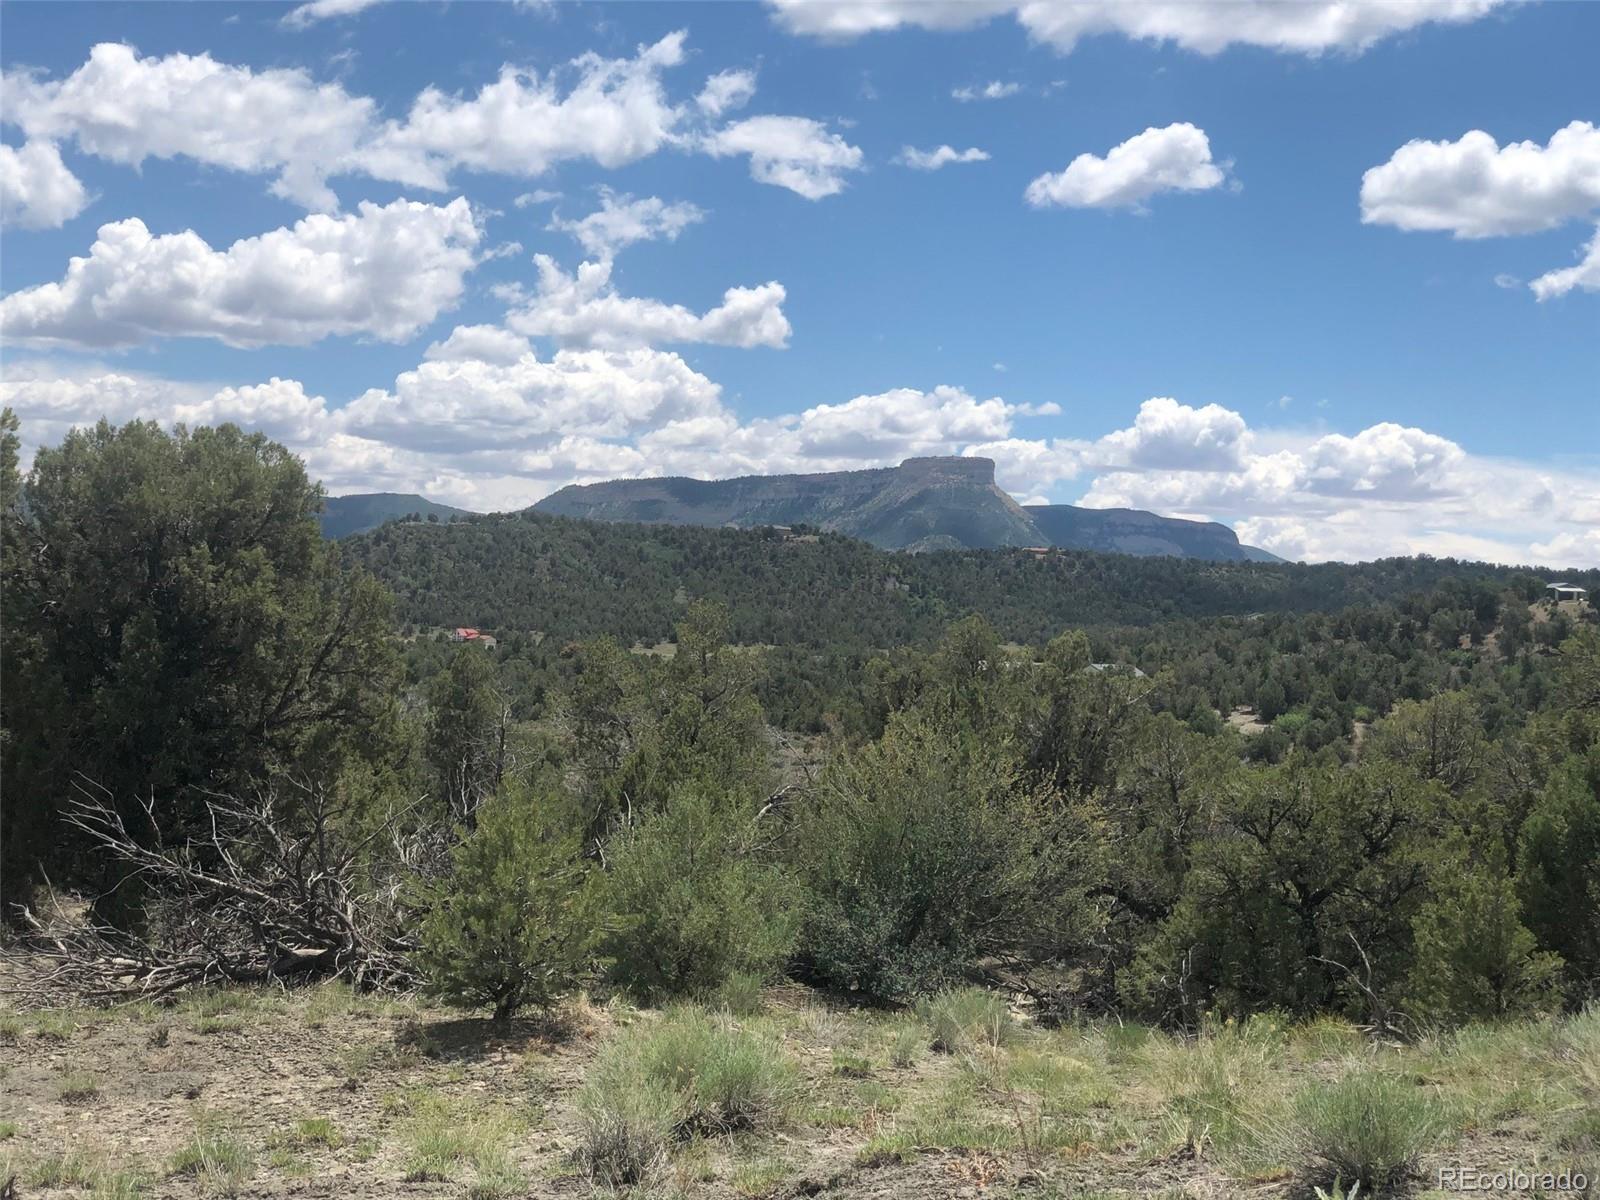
887	1149
1299	857
512	925
966	1019
1558	873
921	852
851	1065
56	1025
691	1072
1474	960
1366	1129
74	1169
691	900
1124	1039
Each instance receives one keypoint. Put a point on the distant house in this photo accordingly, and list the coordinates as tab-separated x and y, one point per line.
1565	591
464	634
1117	669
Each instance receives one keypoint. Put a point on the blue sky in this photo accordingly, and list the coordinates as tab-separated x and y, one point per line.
1218	319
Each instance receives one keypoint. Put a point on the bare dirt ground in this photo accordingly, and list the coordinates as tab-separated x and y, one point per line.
321	1094
1244	719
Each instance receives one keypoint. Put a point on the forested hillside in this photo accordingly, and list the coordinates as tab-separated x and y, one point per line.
571	579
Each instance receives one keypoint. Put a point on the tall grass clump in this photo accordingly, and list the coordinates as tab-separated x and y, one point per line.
740	994
1224	1090
1367	1128
963	1020
448	1133
908	1038
625	1125
692	1072
1580	1045
220	1162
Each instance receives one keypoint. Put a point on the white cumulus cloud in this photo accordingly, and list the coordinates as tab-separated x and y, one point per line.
305	15
281	122
1174	158
789	152
1584	276
616	112
37	191
995	89
622	220
125	109
1570	549
942	156
584	309
1387	489
1475	188
280	408
382	271
1206	26
1385	461
487	343
471	405
1167	435
900	423
725	91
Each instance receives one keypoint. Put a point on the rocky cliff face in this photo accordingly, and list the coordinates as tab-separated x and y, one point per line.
923	504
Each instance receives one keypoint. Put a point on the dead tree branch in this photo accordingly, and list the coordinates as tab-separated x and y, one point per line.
274	888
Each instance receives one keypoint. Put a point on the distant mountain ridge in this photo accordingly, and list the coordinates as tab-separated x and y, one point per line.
342	516
1135	531
923	504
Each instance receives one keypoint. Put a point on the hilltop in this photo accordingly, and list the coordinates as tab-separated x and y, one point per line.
342	516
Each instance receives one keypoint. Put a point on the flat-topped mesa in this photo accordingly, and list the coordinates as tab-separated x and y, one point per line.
944	502
955	468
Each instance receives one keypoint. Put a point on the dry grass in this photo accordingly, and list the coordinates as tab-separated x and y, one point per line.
323	1094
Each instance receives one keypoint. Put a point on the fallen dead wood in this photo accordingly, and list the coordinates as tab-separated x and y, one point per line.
271	889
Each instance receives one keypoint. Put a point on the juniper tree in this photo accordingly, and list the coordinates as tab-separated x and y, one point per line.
512	926
175	624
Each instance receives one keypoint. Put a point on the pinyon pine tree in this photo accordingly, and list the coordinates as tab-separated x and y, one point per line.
510	926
